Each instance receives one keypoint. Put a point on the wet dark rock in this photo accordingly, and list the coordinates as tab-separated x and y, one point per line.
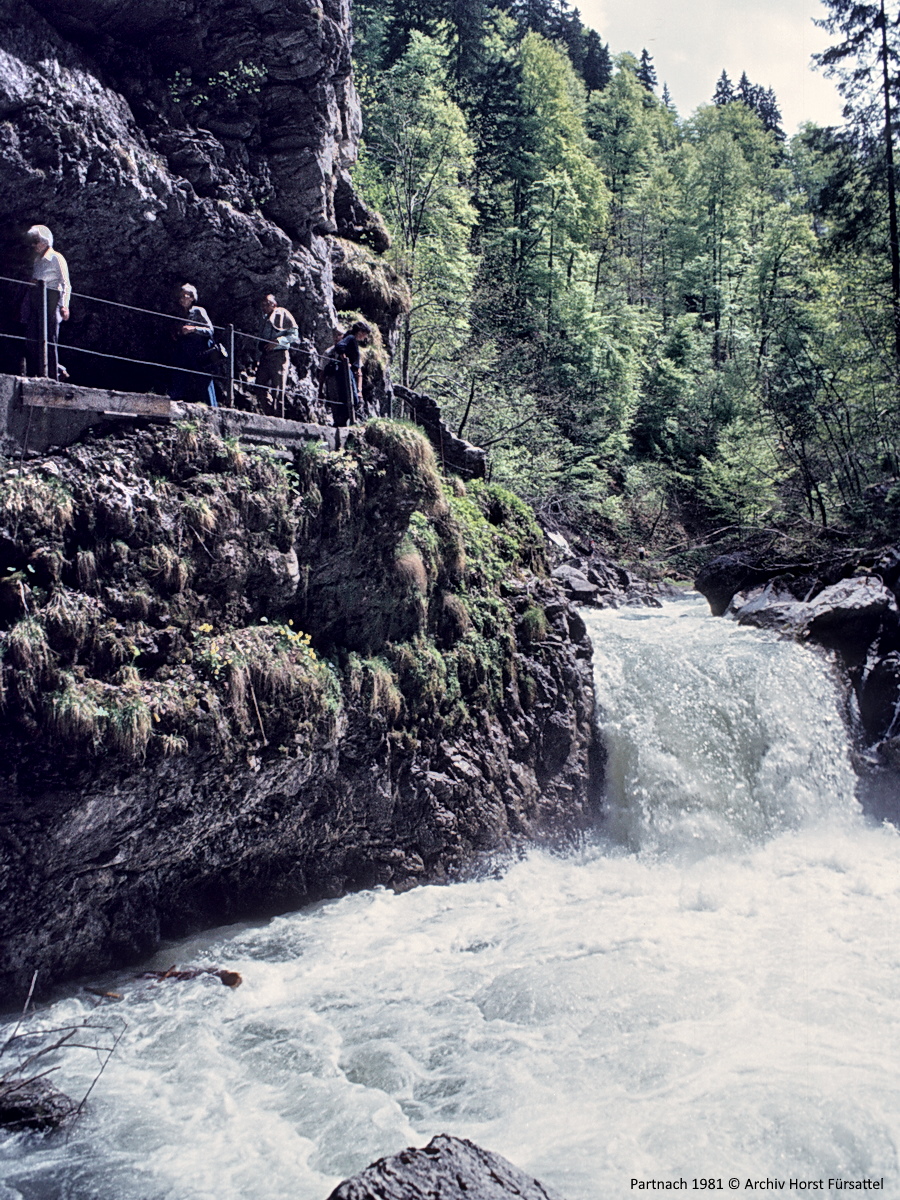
590	576
847	605
879	696
33	1105
576	583
448	1168
719	579
845	616
853	612
769	608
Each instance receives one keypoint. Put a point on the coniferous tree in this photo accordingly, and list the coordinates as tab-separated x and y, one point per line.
769	113
536	16
571	34
646	71
465	20
747	92
724	93
667	97
597	70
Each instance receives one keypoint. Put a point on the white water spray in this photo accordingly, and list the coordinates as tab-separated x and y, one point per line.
715	992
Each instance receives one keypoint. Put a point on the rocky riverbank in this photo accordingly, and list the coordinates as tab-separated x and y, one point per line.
236	680
848	605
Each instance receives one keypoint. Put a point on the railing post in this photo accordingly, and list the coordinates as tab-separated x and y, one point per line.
42	349
231	372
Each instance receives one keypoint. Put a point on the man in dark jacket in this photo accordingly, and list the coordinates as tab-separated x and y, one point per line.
348	370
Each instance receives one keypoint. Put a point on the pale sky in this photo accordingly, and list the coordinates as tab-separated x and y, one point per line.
690	42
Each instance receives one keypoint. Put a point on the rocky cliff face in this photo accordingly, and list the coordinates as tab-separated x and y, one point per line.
209	142
233	682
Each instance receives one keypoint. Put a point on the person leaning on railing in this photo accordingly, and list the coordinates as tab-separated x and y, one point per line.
193	345
52	268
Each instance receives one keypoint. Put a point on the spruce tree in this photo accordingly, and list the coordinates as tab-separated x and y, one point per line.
646	72
465	20
597	63
769	113
747	92
724	93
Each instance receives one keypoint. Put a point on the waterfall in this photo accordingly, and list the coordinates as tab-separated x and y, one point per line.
716	735
708	989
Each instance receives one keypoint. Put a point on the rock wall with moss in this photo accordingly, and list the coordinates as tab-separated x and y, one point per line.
234	681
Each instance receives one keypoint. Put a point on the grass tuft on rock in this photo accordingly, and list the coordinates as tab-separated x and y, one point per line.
27	647
75	712
35	503
533	624
410	454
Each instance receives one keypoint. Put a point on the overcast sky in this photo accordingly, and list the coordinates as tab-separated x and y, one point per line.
690	42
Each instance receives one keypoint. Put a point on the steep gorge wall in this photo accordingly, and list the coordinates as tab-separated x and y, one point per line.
233	683
181	140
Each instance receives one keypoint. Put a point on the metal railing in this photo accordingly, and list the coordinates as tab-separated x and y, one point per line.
229	332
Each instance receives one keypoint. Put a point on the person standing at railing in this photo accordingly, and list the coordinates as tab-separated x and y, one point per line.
279	331
193	337
328	369
51	268
348	365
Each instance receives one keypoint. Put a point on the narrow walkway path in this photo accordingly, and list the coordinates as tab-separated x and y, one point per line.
36	414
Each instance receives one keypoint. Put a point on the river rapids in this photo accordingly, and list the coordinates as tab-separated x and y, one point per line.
709	988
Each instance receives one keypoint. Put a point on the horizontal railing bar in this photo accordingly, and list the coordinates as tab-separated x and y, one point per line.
140	362
151	312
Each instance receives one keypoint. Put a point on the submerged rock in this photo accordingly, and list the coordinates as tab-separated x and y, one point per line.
33	1104
448	1168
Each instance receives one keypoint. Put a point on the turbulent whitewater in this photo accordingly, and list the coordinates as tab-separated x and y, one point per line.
711	988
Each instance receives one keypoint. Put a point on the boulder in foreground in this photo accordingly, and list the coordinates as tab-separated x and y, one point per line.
448	1168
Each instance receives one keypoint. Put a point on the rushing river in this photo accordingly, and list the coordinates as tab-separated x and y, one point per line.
710	989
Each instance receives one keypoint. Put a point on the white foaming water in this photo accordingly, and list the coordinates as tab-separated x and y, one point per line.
716	734
723	1004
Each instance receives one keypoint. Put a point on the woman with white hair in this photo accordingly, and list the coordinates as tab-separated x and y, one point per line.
193	337
50	267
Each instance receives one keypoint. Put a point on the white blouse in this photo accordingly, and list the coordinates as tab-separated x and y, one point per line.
54	270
